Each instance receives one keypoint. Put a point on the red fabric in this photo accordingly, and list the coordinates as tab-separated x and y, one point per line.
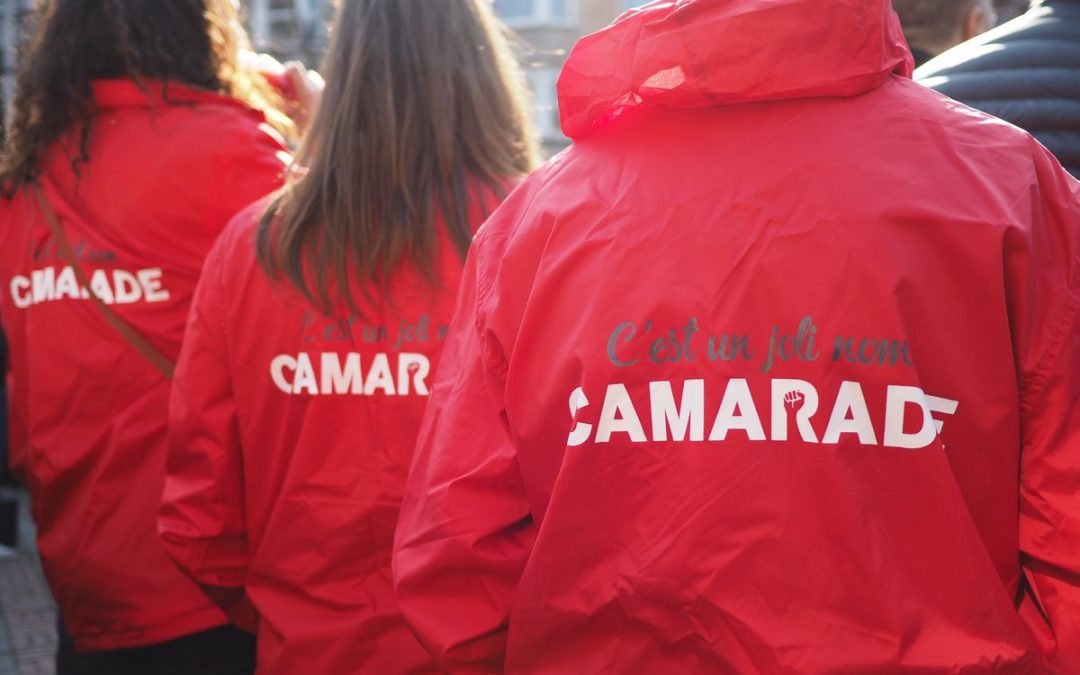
286	467
686	420
161	182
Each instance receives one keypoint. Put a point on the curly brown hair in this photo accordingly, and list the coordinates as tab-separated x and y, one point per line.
196	43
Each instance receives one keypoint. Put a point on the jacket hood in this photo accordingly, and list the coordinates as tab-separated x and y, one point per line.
707	53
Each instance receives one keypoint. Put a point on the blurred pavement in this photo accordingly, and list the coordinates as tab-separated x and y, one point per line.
27	612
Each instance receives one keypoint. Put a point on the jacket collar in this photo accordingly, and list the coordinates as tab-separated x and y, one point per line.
126	93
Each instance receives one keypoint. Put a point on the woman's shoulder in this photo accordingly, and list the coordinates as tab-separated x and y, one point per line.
237	241
232	263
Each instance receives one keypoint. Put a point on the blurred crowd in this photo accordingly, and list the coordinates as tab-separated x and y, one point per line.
775	369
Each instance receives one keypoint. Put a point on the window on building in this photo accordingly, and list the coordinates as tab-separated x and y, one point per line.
536	12
289	29
13	16
546	103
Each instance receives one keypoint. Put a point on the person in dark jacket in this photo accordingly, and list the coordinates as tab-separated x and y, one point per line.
934	26
1026	72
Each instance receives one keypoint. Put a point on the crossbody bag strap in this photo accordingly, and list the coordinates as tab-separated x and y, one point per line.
140	344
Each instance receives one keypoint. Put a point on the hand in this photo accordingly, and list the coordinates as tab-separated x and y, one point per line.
794	399
300	88
305	94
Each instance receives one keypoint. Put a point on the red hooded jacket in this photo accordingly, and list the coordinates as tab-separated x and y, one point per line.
292	433
89	412
774	371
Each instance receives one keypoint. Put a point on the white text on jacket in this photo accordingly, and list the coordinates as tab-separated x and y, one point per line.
907	421
114	287
326	374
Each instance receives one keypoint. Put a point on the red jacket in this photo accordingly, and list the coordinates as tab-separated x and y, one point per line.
688	416
292	433
90	412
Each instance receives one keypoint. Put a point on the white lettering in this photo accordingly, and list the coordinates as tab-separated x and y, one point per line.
277	372
99	284
416	365
44	284
67	286
690	413
115	287
151	285
330	373
305	382
850	414
801	397
618	415
379	377
338	380
581	431
737	398
127	287
941	405
850	399
20	292
898	400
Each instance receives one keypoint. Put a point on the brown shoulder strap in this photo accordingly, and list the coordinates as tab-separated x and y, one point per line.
158	360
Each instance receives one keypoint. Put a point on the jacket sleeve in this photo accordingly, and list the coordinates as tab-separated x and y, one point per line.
1049	368
201	520
465	529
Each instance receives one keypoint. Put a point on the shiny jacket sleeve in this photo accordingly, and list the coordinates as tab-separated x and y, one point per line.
1049	368
201	520
465	529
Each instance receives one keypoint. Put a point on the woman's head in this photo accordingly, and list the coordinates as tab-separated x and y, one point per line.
424	106
197	43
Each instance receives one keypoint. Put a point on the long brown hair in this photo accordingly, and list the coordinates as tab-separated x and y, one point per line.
197	43
424	106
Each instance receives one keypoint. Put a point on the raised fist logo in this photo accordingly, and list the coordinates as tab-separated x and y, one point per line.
794	399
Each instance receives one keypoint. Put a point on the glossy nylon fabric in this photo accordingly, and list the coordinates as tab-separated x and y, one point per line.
89	412
1026	72
291	436
687	417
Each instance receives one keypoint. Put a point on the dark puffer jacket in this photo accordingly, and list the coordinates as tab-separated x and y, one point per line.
1026	72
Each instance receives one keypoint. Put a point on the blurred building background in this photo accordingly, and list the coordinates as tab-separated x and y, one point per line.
12	18
296	29
289	29
548	30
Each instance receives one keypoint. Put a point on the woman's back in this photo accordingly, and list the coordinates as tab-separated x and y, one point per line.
161	179
317	328
304	423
